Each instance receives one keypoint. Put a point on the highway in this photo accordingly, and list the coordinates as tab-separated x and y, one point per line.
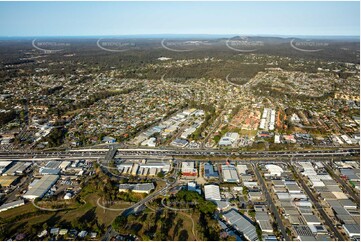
101	153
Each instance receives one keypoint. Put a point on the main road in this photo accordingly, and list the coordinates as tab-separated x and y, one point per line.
90	153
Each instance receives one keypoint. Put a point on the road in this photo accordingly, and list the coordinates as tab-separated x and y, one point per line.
216	124
169	184
314	200
343	183
101	153
271	205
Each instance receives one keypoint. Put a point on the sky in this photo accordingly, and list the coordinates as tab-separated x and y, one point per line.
142	18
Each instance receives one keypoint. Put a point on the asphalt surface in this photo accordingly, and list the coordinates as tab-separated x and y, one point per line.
271	205
101	153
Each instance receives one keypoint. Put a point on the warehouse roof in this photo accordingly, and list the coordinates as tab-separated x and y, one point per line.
229	173
19	167
211	192
14	204
41	187
137	187
311	219
241	224
7	181
274	169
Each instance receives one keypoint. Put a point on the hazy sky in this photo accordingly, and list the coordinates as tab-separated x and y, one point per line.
124	18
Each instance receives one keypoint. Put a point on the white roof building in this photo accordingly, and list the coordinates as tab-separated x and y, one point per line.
242	169
7	206
229	139
212	193
274	170
138	188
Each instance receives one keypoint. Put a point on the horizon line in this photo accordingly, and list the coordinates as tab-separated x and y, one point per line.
181	34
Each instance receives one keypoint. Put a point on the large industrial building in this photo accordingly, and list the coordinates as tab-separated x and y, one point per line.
4	165
188	169
41	187
236	220
17	169
212	193
138	188
11	205
150	168
7	181
229	139
229	173
209	171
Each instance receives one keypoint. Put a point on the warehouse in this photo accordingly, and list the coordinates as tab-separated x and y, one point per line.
138	188
64	165
49	171
152	171
352	230
274	170
124	168
188	169
229	173
304	233
4	165
311	219
293	188
41	187
278	183
158	165
212	193
17	169
179	143
209	171
53	164
11	205
135	169
241	224
229	139
242	169
7	181
263	220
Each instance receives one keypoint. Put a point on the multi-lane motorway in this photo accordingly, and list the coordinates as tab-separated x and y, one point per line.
101	153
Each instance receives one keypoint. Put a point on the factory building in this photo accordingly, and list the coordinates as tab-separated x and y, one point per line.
11	205
236	220
188	169
212	193
138	188
229	173
40	188
18	169
209	171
